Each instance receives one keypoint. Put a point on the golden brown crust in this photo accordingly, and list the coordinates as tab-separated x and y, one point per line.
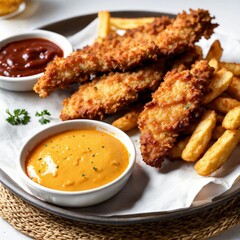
110	93
114	52
184	31
175	103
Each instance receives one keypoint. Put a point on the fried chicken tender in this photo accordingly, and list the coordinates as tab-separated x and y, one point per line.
145	33
174	105
113	52
185	30
110	93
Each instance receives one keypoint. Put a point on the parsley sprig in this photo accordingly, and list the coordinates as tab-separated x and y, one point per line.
45	114
19	116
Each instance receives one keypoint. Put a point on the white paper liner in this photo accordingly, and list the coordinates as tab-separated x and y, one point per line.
174	186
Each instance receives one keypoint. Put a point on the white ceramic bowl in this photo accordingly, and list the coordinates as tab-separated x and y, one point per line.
76	198
27	83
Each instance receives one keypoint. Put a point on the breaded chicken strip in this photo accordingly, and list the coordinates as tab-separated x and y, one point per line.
129	120
174	105
113	52
110	93
145	33
184	31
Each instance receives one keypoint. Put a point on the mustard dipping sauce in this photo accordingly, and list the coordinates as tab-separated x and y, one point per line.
77	160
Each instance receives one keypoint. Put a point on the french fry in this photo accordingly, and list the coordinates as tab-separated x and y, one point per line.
217	155
215	51
219	83
217	132
214	63
104	24
223	105
232	119
129	23
129	120
232	67
200	137
234	88
176	151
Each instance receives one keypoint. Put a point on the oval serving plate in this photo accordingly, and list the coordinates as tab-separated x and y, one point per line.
67	28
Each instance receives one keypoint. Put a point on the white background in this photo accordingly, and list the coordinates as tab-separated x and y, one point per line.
40	12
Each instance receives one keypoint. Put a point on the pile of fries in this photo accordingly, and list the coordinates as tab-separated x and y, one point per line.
211	141
217	134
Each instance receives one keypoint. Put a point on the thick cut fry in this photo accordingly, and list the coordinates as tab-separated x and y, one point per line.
223	105
214	63
129	23
219	83
232	119
176	151
217	155
200	137
232	67
129	120
234	88
104	24
217	132
215	51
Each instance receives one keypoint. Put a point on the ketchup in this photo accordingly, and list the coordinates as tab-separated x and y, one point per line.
27	57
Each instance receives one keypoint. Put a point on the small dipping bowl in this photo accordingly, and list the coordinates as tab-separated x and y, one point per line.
26	83
76	198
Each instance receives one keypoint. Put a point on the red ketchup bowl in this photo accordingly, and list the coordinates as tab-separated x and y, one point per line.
24	57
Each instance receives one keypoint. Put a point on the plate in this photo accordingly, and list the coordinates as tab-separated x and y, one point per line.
68	28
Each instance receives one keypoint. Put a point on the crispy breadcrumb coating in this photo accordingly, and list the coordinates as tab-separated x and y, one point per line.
111	92
174	105
114	52
185	30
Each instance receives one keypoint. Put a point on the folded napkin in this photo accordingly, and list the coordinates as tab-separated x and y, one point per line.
176	185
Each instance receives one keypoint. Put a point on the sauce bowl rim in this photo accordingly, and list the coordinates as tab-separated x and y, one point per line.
67	48
108	127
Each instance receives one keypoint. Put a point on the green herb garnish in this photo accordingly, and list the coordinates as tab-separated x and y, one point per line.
19	116
44	116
